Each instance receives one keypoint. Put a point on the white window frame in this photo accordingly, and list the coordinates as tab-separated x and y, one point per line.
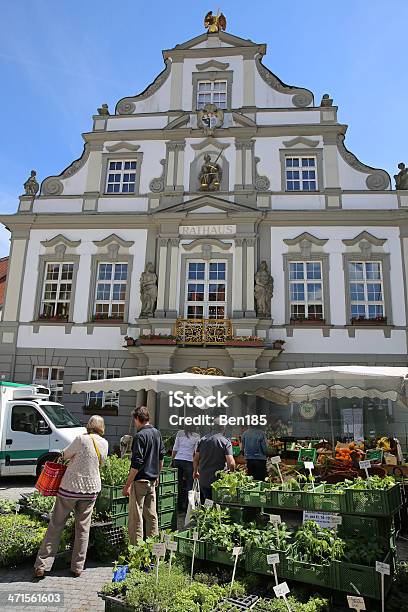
206	303
55	384
305	282
109	399
301	169
365	282
111	282
212	93
121	172
58	282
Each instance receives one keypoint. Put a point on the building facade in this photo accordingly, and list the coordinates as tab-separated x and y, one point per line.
217	203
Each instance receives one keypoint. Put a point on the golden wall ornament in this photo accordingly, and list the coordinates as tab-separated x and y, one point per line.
203	331
215	23
205	371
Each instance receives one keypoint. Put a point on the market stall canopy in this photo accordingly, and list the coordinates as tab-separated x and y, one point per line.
305	384
183	381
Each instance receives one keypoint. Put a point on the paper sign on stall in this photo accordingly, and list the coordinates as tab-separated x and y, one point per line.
324	519
159	550
276	461
209	503
281	589
356	603
273	560
382	568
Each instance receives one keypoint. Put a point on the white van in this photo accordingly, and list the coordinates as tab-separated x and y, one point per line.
33	429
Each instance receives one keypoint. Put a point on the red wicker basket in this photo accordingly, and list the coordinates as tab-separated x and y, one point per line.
50	478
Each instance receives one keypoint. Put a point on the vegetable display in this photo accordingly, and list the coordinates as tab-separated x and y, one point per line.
315	544
114	471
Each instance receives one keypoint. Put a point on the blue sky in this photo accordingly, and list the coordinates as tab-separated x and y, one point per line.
60	59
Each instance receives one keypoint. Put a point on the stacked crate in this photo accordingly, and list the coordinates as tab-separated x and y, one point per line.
166	499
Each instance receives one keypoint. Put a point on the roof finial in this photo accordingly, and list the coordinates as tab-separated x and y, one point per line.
215	23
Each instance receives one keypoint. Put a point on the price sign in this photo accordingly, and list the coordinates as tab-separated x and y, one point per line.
309	465
208	503
172	546
275	519
218	507
166	538
382	568
364	464
356	603
159	550
272	559
281	590
237	550
324	519
276	459
195	536
18	508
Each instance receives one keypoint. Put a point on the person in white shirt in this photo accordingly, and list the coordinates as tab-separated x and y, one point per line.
183	453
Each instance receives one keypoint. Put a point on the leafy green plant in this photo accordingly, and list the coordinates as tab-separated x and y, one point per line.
20	538
36	501
401	576
373	482
315	544
232	481
7	506
114	471
363	551
314	604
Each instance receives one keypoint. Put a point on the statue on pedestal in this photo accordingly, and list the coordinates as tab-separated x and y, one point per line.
210	175
148	291
31	185
263	291
401	179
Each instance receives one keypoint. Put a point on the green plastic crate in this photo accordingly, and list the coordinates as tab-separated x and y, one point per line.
291	500
364	578
256	561
374	502
168	475
166	502
120	520
115	604
107	496
167	488
312	573
167	518
369	526
167	459
223	495
185	545
255	497
375	454
217	554
324	499
306	454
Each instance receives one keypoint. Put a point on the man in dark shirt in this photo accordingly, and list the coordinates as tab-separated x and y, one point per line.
146	464
213	451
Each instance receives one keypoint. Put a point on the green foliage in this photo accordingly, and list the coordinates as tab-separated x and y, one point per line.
401	576
20	538
114	471
315	544
363	551
7	506
315	604
36	501
234	481
373	482
145	592
68	534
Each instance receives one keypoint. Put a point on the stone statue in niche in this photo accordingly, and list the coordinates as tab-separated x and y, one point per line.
401	179
210	174
148	291
31	185
263	291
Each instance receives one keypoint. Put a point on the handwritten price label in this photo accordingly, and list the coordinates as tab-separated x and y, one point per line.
237	550
357	603
382	568
364	465
309	465
159	550
281	590
275	519
209	503
272	559
172	546
276	459
195	536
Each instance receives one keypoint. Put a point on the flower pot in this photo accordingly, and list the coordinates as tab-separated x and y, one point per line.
108	321
249	343
157	341
369	322
308	321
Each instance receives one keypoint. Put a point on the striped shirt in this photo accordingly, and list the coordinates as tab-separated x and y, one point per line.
75	495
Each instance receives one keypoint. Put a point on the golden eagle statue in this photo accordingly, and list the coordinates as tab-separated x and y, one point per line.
215	23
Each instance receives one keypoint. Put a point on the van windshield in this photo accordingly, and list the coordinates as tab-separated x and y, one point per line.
60	416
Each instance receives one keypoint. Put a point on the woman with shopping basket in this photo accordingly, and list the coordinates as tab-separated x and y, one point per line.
76	491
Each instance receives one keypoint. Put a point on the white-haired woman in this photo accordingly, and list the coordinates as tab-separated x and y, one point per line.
79	489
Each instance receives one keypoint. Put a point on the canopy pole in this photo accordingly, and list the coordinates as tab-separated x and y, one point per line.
331	423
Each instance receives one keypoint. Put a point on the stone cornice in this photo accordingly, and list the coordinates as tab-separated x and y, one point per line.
365	236
113	238
60	239
305	236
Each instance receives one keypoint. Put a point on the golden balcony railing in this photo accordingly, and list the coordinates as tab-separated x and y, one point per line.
203	331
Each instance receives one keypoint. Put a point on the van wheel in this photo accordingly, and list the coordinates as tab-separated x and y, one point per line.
42	462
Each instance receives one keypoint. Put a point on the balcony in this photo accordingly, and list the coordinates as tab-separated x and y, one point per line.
203	331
